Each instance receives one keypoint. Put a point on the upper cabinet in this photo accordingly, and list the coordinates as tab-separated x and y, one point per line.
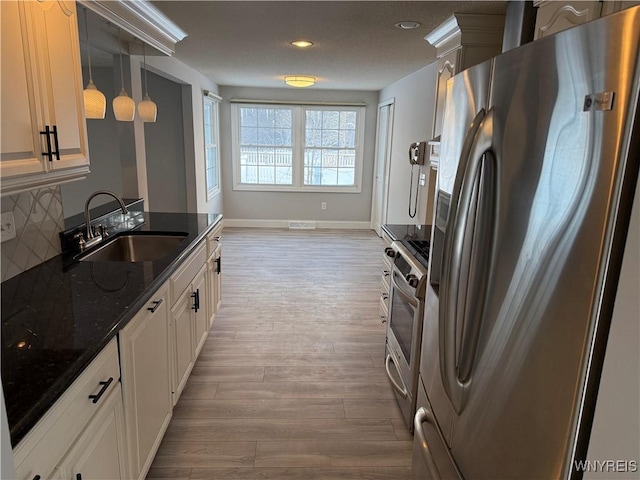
461	42
554	16
44	136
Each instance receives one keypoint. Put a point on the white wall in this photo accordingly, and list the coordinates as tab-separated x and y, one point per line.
193	83
354	209
413	121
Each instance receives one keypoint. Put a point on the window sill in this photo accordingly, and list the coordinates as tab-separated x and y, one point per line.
289	189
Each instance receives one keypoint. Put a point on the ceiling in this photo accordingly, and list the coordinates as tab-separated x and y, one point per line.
356	45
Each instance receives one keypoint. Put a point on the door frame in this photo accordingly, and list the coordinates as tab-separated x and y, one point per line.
378	218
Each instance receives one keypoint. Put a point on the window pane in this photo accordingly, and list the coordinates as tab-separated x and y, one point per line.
313	137
248	174
265	136
248	117
248	136
347	139
330	138
283	137
266	156
348	120
346	176
330	119
266	118
284	175
283	118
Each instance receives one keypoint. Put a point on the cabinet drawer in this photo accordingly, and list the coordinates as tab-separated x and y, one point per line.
385	278
183	277
384	309
43	447
213	239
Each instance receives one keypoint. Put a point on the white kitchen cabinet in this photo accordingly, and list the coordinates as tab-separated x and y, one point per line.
146	379
41	89
214	271
82	412
555	16
189	317
99	453
385	278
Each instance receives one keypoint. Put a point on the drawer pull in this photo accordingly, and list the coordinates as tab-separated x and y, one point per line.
218	269
37	477
385	273
196	300
78	476
96	398
156	304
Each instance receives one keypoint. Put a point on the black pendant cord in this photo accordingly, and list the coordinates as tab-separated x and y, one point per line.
415	204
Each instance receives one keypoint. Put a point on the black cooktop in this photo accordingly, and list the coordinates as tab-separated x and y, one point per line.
414	237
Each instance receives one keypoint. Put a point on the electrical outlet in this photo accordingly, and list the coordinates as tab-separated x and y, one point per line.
423	179
7	226
323	205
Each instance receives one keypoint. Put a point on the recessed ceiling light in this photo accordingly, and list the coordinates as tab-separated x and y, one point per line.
299	81
408	25
302	43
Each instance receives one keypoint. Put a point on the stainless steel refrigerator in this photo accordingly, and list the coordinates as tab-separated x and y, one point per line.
539	165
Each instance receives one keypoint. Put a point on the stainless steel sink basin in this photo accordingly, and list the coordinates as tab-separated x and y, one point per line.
135	247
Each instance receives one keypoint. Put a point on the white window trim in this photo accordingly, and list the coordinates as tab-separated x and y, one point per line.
214	101
298	135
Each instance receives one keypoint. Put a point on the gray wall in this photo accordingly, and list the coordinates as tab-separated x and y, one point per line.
104	152
164	144
341	207
413	121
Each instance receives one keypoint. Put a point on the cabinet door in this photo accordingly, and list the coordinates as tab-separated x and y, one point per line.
555	16
20	141
146	380
99	453
61	77
181	319
200	314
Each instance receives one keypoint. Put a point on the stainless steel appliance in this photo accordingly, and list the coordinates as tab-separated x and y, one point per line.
539	162
404	327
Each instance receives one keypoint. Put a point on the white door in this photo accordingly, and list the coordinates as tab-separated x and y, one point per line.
384	133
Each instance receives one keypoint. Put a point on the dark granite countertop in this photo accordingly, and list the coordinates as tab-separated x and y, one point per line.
57	317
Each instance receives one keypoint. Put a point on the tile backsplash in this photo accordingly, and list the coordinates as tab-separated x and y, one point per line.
38	221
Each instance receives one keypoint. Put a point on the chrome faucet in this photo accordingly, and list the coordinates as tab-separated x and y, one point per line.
92	239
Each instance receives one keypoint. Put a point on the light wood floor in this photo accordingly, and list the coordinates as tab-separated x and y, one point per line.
291	382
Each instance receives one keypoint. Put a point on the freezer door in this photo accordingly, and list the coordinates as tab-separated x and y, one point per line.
431	457
562	112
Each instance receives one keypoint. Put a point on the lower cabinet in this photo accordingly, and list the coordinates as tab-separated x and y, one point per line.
99	453
189	317
84	426
146	381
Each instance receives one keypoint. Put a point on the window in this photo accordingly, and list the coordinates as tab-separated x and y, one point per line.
211	145
297	147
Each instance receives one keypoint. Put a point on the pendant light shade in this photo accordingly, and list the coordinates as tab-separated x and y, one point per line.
124	108
95	103
147	109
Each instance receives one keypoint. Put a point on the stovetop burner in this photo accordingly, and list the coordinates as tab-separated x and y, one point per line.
419	248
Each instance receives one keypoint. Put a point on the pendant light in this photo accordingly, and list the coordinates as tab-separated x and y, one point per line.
124	107
95	103
147	109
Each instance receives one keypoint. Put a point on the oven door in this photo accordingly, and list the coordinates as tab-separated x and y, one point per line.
404	333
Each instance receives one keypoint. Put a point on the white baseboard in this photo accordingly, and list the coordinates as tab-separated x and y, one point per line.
320	224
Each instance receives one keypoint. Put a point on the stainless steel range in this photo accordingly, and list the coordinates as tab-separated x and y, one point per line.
404	326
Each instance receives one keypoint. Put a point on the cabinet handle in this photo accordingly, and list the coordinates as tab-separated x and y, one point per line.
78	476
383	319
37	477
384	296
96	398
196	300
47	136
385	273
156	304
218	266
55	141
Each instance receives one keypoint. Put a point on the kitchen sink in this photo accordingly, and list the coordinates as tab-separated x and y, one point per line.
135	247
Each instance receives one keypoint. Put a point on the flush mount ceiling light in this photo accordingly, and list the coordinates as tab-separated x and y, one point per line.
407	25
302	43
95	103
147	109
299	81
124	107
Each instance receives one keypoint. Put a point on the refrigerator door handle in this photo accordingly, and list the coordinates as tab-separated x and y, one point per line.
459	327
424	415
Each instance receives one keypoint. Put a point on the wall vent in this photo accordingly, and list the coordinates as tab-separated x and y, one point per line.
302	225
